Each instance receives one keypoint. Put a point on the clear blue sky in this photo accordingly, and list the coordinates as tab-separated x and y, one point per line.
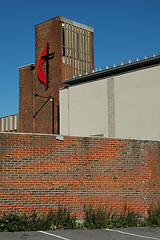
124	30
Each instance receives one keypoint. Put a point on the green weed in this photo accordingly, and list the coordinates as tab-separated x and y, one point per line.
100	217
60	219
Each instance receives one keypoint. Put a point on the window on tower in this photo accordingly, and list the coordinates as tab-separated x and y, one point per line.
63	42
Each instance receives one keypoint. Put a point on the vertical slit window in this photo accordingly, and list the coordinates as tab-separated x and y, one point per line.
63	42
77	46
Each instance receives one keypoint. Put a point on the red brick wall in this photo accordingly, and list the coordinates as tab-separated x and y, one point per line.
26	80
39	172
47	117
46	120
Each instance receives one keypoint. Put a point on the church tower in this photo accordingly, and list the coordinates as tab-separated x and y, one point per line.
63	49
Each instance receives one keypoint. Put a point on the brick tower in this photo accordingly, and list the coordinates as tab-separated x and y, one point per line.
63	49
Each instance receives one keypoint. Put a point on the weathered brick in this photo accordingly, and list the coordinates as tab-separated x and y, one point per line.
39	172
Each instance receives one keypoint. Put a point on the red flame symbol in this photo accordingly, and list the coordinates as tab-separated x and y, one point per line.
41	75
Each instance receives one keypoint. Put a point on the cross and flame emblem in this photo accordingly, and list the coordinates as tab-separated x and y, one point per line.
45	57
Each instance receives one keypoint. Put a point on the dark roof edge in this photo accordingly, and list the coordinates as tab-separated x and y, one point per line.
115	70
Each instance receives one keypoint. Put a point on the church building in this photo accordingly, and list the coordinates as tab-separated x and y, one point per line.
61	93
61	96
63	49
121	101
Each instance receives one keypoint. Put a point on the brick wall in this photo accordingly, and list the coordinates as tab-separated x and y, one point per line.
51	31
26	88
39	172
47	117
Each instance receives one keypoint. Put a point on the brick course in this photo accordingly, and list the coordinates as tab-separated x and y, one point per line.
38	172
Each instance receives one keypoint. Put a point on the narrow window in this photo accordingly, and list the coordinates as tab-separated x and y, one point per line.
77	46
63	42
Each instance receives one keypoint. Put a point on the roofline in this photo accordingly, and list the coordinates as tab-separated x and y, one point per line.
69	21
28	65
77	24
155	60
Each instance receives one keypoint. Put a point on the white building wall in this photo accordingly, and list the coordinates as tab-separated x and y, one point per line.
137	104
123	106
64	111
86	113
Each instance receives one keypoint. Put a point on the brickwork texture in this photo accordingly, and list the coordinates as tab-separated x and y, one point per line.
39	172
46	120
46	115
26	79
35	115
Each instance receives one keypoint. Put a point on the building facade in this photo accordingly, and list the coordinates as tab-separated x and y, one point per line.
63	49
61	92
122	102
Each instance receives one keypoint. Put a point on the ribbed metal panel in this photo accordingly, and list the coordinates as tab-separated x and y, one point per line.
78	54
9	123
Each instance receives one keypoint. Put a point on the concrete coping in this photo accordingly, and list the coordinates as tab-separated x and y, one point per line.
63	136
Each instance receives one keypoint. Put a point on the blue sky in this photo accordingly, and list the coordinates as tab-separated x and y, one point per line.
124	30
